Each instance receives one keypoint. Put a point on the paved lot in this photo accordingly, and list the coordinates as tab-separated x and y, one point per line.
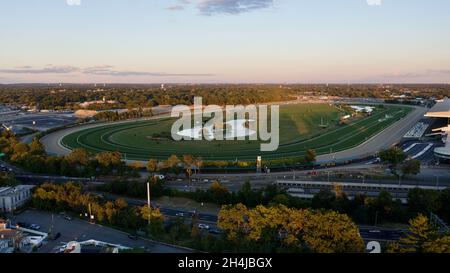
81	231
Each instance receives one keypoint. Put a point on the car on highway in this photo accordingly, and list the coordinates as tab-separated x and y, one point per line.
68	218
179	214
133	237
159	176
375	231
215	231
203	226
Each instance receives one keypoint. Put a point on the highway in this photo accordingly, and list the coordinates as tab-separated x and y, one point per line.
368	233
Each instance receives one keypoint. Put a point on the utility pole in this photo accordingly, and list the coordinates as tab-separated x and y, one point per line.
149	203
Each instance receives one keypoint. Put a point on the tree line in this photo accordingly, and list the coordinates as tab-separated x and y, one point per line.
79	163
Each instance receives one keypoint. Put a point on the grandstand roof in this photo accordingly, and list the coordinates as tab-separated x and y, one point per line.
440	110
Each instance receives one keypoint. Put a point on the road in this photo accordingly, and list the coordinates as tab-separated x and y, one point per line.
187	213
79	230
368	233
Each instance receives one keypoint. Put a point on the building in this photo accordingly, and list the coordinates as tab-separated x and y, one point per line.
13	197
7	238
91	246
13	238
441	110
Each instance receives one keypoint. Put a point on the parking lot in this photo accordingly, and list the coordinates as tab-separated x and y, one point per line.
79	230
38	121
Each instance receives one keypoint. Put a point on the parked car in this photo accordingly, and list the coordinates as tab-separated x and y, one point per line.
35	227
68	218
179	214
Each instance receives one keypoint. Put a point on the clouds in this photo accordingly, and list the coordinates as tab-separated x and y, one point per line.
212	7
73	2
104	70
44	70
374	2
419	74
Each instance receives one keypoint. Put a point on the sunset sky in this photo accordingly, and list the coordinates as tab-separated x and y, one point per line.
221	41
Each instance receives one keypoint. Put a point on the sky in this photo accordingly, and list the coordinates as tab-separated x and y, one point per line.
225	41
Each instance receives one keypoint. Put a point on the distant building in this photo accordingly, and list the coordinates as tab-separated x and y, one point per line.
103	101
13	197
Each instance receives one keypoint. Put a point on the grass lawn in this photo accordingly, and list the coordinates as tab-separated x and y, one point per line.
301	128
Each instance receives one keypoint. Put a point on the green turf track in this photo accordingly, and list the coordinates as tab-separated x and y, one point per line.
299	131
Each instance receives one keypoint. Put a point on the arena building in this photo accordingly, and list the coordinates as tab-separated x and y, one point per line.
442	111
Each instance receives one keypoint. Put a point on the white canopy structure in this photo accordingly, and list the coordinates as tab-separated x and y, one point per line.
440	110
444	152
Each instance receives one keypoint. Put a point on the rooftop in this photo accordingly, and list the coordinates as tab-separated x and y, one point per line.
440	110
8	190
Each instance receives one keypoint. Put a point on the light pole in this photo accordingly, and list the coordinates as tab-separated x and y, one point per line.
437	182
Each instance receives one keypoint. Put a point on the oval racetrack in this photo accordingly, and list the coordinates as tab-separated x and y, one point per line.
136	139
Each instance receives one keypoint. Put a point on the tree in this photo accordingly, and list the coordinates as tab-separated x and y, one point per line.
331	232
393	156
172	162
188	161
156	219
36	147
310	156
325	199
410	167
198	161
422	201
421	233
219	193
440	245
152	166
384	207
109	160
280	199
271	228
443	205
78	157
